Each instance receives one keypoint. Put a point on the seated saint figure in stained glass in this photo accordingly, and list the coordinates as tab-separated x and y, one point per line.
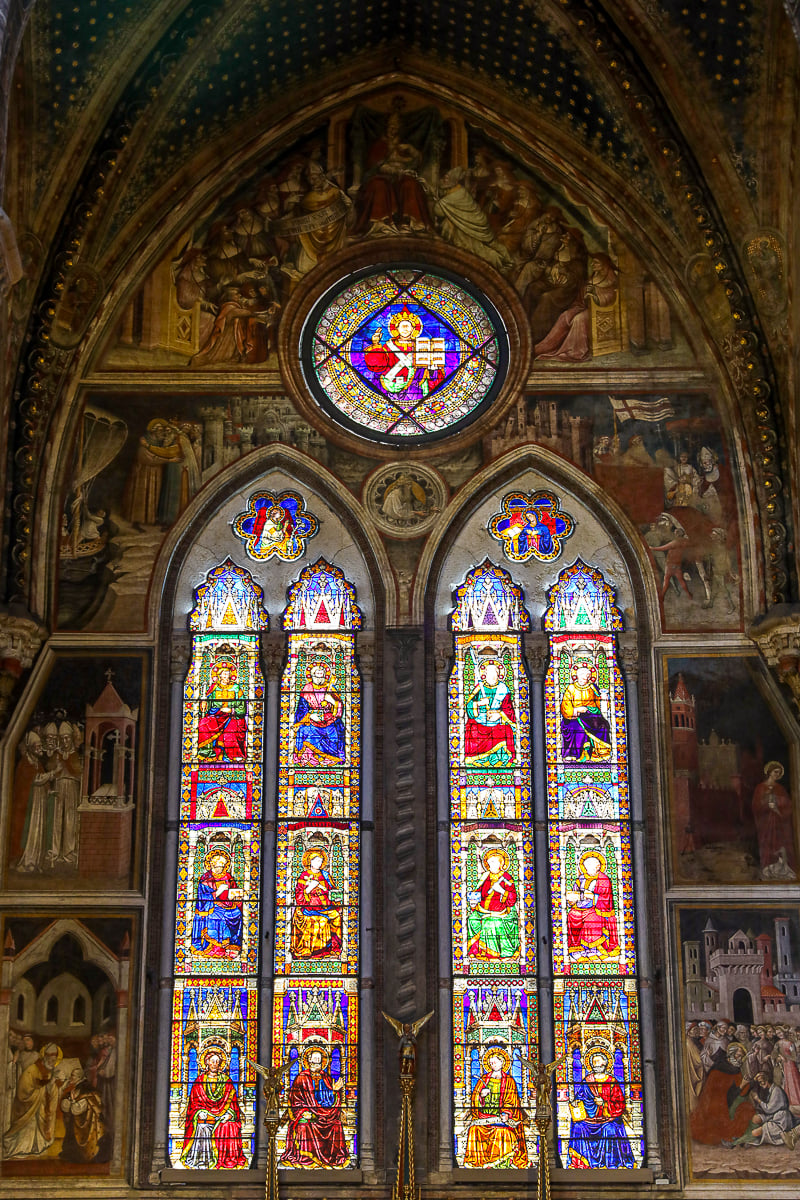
318	720
222	728
315	1136
493	923
496	1136
489	728
592	933
598	1137
218	923
213	1129
585	732
316	922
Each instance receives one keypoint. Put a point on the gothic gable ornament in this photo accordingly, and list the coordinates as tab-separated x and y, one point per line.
275	526
531	525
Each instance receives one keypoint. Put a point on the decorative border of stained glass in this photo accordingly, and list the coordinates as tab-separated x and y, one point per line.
275	525
531	525
215	997
316	955
404	354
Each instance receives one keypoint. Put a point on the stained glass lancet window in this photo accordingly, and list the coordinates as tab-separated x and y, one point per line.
491	866
315	1007
599	1120
212	1089
402	354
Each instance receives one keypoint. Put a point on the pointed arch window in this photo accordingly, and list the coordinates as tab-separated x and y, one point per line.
599	1110
492	875
315	1004
212	1088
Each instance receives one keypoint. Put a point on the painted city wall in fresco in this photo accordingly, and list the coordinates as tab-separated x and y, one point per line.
76	782
66	983
731	780
740	983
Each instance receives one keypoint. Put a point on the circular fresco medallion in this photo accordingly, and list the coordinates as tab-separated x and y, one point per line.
404	355
404	499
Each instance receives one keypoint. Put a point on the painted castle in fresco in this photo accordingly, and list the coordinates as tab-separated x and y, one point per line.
741	976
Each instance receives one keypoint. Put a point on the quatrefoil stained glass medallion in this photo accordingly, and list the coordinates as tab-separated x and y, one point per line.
404	355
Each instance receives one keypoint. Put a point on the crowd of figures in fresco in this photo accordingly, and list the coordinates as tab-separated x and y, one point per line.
394	171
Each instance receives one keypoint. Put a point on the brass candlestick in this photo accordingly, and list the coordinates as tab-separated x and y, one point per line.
273	1119
405	1187
541	1074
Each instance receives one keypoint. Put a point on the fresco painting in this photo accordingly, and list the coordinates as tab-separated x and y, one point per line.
76	780
66	1056
741	1011
728	759
217	300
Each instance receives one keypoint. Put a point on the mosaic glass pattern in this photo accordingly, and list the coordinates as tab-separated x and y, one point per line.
491	872
599	1081
315	1024
212	1090
599	1111
495	1027
317	873
402	354
531	525
275	526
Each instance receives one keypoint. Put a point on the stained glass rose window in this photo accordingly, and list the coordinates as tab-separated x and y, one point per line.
404	355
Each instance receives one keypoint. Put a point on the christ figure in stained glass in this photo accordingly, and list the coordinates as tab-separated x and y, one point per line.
319	737
591	921
222	728
585	733
395	362
218	922
496	1135
490	724
598	1137
316	922
493	923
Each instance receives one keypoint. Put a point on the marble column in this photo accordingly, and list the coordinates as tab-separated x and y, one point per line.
272	655
629	659
366	1039
443	666
180	653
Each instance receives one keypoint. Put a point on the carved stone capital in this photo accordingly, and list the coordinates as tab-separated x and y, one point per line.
536	644
443	656
21	637
180	651
365	648
777	636
273	649
629	657
405	642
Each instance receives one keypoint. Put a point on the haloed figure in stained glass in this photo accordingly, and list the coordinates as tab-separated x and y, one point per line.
316	922
491	721
222	728
598	1137
319	738
592	934
496	1135
585	733
493	923
213	1126
217	924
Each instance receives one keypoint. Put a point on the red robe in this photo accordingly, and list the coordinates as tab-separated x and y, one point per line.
596	927
216	1097
315	1137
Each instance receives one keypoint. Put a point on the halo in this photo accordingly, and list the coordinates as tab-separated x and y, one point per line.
773	765
306	858
214	1046
492	1049
501	850
213	852
598	854
405	315
309	1048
